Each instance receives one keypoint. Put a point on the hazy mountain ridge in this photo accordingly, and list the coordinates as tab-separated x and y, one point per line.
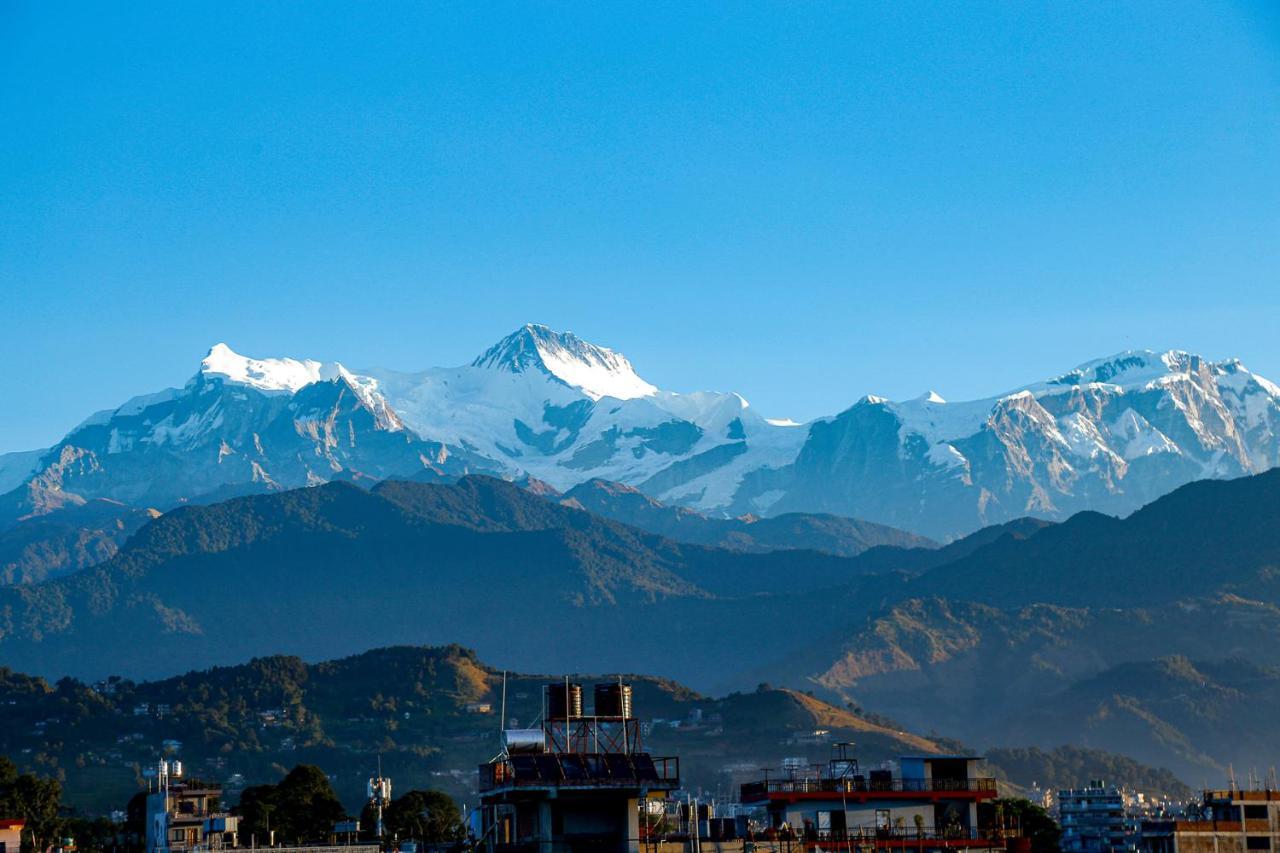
1046	674
831	534
67	540
373	566
1108	436
1208	535
1032	639
1196	711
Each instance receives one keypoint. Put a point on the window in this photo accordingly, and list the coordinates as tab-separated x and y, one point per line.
1255	812
1258	842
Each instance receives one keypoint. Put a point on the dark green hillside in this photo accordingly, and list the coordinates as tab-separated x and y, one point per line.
1070	766
422	709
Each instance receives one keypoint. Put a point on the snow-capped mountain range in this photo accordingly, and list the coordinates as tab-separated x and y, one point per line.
1109	435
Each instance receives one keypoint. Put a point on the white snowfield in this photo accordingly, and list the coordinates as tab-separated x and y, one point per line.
517	381
267	374
555	407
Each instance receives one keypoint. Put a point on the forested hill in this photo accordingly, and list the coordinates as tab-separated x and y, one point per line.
431	715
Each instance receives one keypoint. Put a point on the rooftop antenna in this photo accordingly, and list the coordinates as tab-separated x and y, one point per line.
502	717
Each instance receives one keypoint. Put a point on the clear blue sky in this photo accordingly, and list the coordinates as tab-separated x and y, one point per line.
800	202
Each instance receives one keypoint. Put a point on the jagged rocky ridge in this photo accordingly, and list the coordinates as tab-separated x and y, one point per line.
1110	435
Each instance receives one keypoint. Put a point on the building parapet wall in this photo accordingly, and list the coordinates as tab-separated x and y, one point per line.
1206	826
570	770
1239	795
767	788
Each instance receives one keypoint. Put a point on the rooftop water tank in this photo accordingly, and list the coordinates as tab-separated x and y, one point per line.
564	701
523	740
613	700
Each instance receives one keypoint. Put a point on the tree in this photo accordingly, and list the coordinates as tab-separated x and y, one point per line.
35	799
257	803
301	808
428	816
1034	822
92	834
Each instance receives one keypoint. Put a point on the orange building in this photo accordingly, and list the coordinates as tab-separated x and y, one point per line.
11	835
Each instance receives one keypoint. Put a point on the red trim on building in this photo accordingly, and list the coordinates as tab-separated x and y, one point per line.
902	844
862	797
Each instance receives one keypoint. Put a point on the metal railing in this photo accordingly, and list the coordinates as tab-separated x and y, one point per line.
858	834
764	787
583	770
772	840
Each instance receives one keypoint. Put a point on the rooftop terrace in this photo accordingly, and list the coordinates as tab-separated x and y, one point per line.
581	770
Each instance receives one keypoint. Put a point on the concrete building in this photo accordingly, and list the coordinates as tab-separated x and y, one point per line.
11	835
183	816
579	784
1093	819
931	805
1234	821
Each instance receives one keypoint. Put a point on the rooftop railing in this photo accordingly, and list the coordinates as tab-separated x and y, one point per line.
595	770
892	833
763	788
1256	794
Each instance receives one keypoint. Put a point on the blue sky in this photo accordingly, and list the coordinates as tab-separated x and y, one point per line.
801	202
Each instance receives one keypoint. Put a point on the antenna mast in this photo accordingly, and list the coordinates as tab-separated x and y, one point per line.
379	796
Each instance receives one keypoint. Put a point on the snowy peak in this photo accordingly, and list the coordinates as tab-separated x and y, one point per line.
596	371
1132	368
1106	436
267	374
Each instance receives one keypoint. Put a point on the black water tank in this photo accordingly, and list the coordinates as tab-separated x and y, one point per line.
564	701
613	700
723	828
